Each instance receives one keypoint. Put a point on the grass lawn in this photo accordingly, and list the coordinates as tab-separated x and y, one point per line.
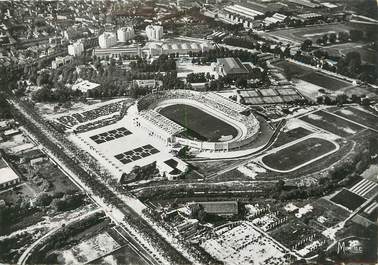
332	123
298	154
199	124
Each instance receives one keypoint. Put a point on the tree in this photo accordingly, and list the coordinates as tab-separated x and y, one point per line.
306	45
341	99
43	199
332	38
343	36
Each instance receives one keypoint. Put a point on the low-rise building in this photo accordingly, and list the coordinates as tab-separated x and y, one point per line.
232	67
84	85
117	52
222	208
8	176
60	61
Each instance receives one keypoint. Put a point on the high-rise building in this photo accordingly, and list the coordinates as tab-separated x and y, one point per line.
154	32
76	49
125	34
107	39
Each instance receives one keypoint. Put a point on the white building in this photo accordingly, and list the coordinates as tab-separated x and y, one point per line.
107	40
154	32
125	34
76	49
60	61
8	177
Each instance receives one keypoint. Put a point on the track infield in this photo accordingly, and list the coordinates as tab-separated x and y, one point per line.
298	155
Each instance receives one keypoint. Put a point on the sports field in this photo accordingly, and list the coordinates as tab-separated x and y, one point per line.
332	123
362	117
328	82
199	124
313	33
298	154
348	199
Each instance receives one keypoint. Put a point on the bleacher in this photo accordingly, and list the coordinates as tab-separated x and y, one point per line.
162	122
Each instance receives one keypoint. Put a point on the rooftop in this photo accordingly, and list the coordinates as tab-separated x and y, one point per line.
7	174
232	66
220	207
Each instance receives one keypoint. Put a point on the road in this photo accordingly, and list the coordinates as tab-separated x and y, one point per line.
112	210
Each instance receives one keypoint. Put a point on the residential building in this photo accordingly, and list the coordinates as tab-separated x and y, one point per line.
107	40
125	34
76	49
154	32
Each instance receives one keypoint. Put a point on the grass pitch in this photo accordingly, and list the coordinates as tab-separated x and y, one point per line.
199	124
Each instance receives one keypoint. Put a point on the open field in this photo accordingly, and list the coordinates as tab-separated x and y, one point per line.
348	199
298	154
313	32
322	80
332	123
199	124
362	117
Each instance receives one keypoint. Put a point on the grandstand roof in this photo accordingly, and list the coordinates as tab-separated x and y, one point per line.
232	66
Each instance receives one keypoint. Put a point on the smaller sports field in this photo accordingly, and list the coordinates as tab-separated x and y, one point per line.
199	124
348	199
362	117
332	123
322	80
298	154
313	32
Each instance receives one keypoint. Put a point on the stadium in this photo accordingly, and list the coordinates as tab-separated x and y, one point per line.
202	120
